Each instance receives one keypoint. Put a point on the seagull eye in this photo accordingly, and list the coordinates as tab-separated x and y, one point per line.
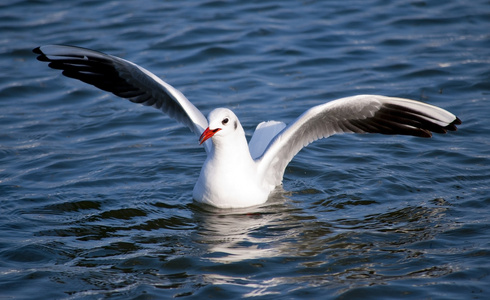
225	121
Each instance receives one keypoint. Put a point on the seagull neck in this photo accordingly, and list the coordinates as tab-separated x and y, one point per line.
236	147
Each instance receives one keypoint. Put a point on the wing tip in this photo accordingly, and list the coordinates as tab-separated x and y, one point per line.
37	50
442	130
41	56
452	126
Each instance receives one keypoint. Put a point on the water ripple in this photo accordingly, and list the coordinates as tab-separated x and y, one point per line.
96	193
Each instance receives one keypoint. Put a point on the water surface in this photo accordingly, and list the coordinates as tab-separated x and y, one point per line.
96	192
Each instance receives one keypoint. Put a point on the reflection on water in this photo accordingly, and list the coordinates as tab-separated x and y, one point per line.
244	234
342	253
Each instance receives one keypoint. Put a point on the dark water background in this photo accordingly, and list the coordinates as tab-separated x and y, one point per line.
95	192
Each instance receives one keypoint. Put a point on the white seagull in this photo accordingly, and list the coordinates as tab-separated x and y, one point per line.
236	174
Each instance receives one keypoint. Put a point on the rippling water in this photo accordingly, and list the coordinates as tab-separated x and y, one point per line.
96	192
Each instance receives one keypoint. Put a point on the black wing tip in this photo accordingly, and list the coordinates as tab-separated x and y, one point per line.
443	130
37	50
457	121
41	55
452	126
398	119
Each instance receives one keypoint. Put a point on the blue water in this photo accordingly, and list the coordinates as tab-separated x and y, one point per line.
96	192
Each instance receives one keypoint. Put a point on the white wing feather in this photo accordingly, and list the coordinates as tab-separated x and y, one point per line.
263	135
124	79
357	114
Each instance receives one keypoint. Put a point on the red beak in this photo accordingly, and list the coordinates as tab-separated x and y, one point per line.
207	134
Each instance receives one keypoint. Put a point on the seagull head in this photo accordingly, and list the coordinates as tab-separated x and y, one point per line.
222	122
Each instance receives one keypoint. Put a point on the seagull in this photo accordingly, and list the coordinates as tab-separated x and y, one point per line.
238	174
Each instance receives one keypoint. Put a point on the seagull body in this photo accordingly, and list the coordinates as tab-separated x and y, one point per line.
229	171
236	173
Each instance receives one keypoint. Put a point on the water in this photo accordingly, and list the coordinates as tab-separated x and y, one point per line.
96	192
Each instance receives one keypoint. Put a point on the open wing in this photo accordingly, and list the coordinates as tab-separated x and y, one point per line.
124	79
357	114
